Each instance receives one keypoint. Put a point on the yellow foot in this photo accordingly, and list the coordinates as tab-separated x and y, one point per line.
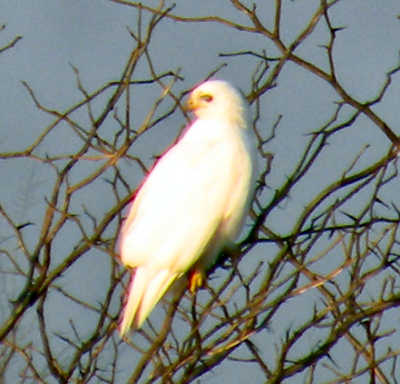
196	280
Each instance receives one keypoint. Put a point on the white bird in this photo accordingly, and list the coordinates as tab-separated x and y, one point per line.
193	203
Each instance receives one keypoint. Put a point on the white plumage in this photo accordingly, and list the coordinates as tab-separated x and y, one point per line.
192	204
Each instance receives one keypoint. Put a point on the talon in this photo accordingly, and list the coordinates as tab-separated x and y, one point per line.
196	280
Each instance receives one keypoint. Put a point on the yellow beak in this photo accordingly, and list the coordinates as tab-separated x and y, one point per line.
190	104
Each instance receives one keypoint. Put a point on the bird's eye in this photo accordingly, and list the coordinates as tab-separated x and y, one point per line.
206	98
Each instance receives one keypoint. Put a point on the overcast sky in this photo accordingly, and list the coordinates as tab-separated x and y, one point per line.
93	37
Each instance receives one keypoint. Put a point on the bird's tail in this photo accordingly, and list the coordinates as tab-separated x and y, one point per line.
146	287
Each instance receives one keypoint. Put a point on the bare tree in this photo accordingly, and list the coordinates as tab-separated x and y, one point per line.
313	299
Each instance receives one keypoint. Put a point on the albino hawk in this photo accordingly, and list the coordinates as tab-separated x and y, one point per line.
193	203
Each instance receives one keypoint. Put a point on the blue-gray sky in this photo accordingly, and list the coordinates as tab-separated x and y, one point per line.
93	37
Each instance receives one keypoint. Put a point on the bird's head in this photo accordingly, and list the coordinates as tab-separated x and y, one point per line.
217	99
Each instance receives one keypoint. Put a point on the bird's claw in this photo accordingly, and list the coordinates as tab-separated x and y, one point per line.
196	280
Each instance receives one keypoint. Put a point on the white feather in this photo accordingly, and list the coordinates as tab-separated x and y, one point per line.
146	287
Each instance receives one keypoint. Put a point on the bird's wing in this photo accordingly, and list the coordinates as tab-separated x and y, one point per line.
180	205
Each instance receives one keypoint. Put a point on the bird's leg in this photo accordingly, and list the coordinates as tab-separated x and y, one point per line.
196	280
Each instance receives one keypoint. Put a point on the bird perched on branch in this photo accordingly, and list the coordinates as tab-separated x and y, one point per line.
193	203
